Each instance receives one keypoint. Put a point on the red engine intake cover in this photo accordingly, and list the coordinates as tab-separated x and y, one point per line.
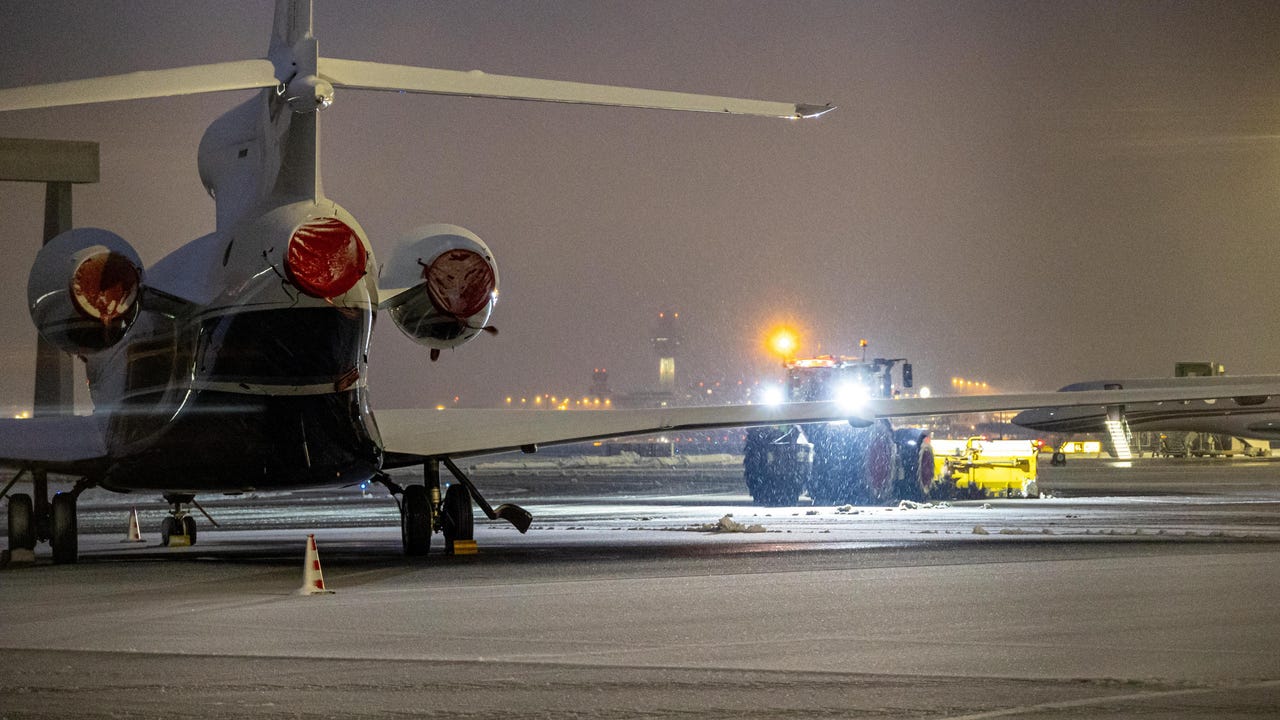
325	258
104	286
460	282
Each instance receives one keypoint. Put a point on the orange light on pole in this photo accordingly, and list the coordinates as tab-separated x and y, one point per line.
783	342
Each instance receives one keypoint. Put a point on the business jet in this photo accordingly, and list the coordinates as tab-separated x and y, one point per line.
239	362
1255	417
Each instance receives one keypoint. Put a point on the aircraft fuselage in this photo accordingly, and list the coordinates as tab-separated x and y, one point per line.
247	382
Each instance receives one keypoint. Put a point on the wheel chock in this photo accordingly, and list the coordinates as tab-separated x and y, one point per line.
463	547
179	541
20	556
312	577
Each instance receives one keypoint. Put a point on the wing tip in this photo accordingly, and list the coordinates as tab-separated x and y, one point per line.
805	111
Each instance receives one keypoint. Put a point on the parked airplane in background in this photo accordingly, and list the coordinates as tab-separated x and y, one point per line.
239	361
1255	417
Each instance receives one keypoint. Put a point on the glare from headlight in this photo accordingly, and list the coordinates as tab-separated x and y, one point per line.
771	395
852	397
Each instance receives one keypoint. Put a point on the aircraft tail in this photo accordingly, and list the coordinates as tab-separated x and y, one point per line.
292	22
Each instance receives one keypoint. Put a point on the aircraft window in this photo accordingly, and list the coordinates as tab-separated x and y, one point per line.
302	346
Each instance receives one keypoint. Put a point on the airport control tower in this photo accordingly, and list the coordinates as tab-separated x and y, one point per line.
666	343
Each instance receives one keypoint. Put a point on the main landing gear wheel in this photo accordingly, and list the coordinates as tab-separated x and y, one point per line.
415	521
22	528
62	528
457	521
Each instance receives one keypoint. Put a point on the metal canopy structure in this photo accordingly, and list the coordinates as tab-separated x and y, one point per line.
58	164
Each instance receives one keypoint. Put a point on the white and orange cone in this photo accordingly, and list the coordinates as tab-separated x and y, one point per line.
312	577
134	533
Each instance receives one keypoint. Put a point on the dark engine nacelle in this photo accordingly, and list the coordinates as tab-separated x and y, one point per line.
84	290
443	283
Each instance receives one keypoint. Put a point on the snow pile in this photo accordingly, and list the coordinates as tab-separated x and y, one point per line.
912	505
979	530
727	524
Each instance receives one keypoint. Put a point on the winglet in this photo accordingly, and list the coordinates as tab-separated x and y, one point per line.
805	112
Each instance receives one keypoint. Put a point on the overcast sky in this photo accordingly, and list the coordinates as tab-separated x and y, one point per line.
1024	193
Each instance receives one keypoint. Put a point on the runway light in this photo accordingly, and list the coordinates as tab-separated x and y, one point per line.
925	392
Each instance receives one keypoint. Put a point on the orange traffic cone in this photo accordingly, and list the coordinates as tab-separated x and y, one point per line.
134	533
312	578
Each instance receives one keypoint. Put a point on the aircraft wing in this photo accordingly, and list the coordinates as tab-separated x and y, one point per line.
408	436
474	83
72	444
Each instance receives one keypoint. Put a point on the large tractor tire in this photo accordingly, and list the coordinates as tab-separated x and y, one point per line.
829	480
772	480
915	464
874	460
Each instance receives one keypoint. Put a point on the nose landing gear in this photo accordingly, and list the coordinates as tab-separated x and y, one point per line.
179	529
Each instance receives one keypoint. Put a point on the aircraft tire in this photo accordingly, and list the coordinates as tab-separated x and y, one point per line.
22	529
189	528
458	520
167	530
415	521
63	534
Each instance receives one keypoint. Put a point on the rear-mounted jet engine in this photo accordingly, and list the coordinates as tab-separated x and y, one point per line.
85	290
442	285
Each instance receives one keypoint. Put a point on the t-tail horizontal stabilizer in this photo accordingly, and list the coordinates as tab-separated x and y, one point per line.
474	83
252	74
237	75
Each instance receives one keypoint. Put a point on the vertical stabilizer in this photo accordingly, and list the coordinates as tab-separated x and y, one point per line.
292	23
295	53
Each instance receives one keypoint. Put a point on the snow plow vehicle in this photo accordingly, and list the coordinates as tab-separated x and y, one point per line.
837	463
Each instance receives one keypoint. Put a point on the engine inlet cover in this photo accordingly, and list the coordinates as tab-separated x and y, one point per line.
85	290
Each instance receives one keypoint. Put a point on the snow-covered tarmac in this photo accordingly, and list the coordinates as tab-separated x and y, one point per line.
1162	601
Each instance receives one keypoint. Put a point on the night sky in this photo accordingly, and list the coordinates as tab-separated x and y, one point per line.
1023	193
